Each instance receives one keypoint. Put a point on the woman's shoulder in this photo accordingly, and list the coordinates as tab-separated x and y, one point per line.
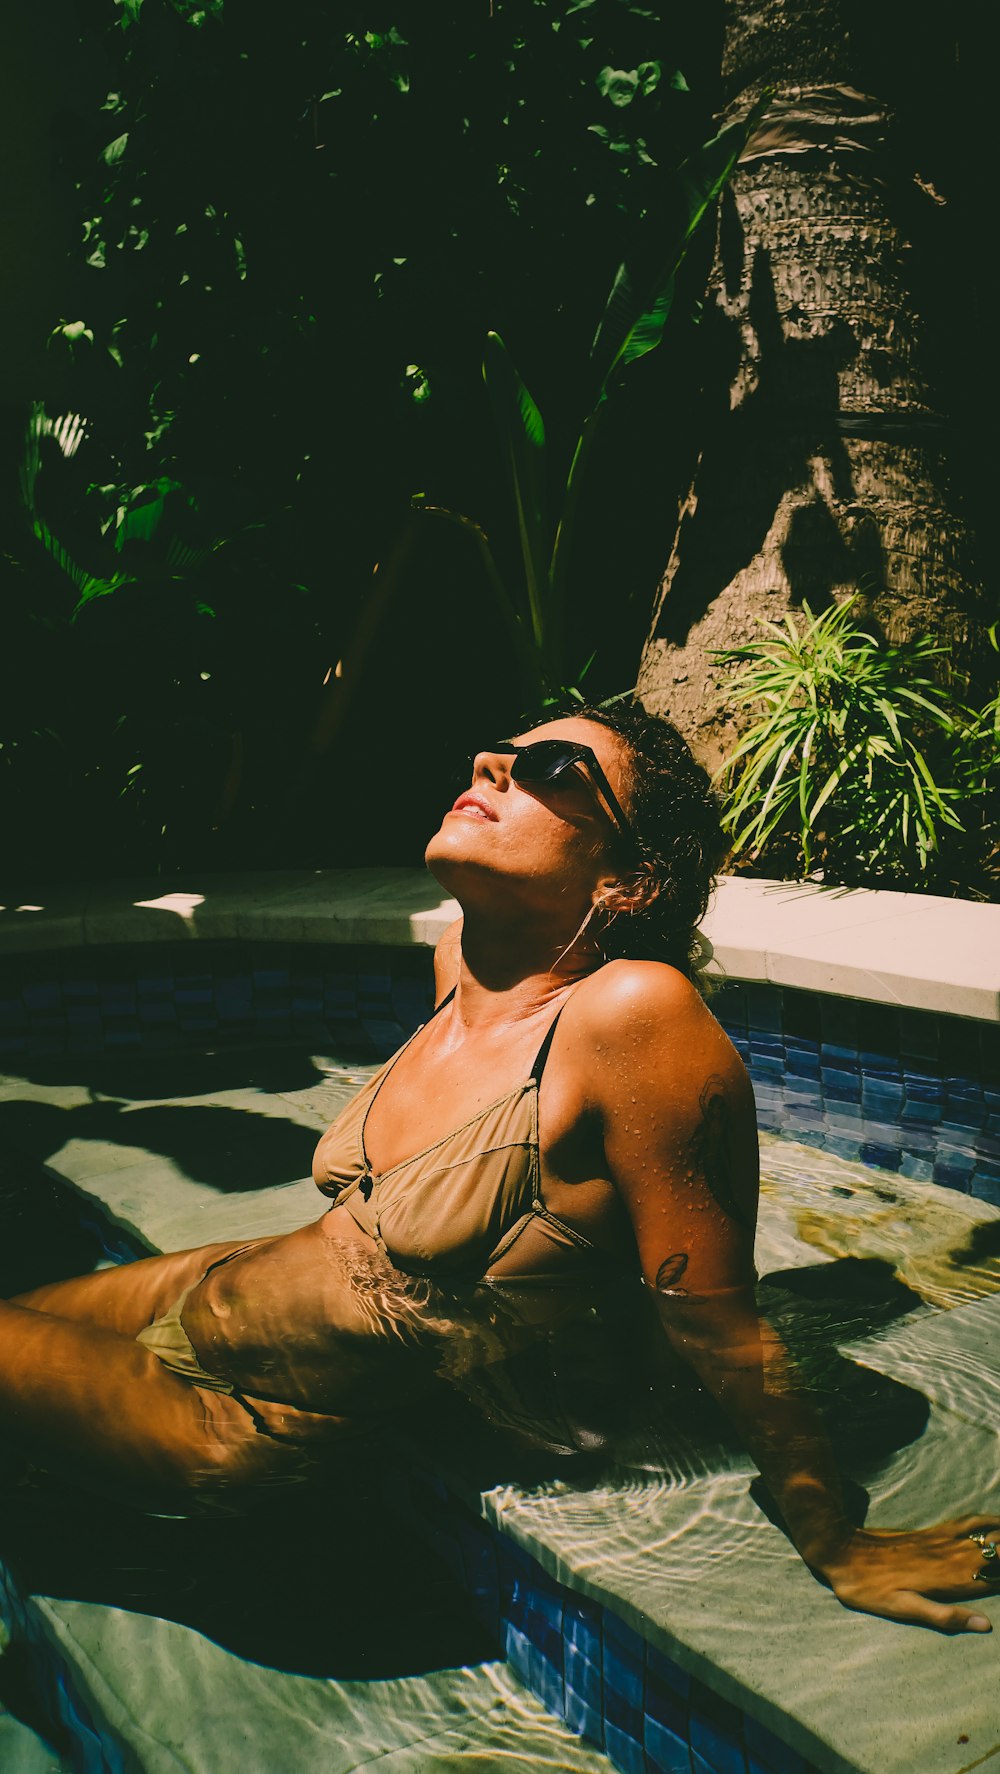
623	988
626	1006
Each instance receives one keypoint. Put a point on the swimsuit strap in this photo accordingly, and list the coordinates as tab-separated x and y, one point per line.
543	1052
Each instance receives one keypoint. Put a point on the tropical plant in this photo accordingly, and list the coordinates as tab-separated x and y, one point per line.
554	658
855	758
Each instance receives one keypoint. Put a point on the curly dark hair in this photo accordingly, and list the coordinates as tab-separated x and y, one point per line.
662	898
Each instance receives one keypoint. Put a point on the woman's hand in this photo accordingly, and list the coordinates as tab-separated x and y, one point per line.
917	1577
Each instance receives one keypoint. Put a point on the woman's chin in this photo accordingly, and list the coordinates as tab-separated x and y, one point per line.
453	847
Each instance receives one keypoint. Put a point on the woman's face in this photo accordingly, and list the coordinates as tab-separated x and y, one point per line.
540	846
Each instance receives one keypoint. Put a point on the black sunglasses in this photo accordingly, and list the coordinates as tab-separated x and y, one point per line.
546	760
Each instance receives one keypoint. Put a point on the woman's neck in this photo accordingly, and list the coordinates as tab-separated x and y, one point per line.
505	976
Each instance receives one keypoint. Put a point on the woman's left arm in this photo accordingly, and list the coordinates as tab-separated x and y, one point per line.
679	1127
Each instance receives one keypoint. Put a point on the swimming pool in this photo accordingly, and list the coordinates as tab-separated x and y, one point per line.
879	1233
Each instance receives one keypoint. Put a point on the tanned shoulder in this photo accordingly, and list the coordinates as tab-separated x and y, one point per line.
629	1005
652	1041
673	1098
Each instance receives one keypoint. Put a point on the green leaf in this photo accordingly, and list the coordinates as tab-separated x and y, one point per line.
522	434
620	85
114	150
638	306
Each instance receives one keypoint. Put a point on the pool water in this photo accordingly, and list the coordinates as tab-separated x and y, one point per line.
857	1265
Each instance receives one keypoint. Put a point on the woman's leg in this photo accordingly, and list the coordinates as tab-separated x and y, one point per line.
99	1409
127	1298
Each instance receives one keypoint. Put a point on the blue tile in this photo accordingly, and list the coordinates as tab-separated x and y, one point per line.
846	1115
948	1178
665	1671
546	1600
841	1087
803	1090
881	1132
764	1008
699	1764
665	1753
766	1754
917	1113
917	1137
770	1069
884	1099
625	1751
627	1642
582	1626
517	1648
799	1114
833	1053
843	1147
622	1679
883	1157
964	1112
583	1676
45	995
664	1706
923	1086
716	1734
918	1170
959	1154
118	996
839	1022
546	1680
545	1638
583	1719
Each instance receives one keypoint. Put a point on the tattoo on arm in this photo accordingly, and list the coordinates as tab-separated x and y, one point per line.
710	1147
669	1274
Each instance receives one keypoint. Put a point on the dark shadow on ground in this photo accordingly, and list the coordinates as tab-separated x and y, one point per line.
147	1074
231	1150
328	1583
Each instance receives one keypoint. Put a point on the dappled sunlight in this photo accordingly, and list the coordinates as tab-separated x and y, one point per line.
181	904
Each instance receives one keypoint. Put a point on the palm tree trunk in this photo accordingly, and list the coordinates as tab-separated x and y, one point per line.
826	465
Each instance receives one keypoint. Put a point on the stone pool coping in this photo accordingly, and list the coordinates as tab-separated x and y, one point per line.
907	949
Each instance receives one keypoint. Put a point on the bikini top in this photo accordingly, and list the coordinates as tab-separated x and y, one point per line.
462	1203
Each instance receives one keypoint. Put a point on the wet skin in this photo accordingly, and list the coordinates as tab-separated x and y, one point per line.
647	1146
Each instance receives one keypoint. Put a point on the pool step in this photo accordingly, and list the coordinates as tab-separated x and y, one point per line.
141	1695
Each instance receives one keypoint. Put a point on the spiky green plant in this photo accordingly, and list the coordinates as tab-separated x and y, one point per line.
853	752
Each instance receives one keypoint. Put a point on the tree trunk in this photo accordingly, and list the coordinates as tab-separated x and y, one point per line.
825	465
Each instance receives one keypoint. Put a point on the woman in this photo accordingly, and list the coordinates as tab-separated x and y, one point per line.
473	1203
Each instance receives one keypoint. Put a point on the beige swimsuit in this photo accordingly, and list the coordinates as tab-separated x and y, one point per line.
449	1213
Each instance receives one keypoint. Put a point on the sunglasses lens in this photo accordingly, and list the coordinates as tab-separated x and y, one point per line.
544	761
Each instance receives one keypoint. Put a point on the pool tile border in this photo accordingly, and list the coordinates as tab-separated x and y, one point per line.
913	1091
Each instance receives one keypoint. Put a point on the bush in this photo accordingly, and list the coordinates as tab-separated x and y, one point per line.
859	768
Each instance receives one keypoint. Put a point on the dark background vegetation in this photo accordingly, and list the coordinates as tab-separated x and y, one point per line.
285	234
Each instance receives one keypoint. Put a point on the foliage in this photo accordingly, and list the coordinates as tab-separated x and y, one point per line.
294	237
857	760
632	326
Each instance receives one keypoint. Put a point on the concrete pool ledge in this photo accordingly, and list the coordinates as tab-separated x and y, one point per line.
910	950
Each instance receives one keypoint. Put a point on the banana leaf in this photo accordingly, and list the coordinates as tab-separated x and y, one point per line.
521	427
638	307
